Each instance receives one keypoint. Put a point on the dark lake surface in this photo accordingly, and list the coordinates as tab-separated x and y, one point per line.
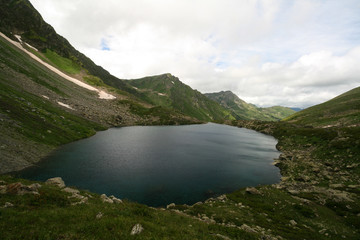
158	165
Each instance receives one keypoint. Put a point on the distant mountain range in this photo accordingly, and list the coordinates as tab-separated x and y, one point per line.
247	111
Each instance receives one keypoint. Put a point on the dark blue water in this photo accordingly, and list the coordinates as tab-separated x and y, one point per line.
164	164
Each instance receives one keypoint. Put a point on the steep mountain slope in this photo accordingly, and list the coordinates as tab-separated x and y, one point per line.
245	111
343	110
168	91
19	17
41	108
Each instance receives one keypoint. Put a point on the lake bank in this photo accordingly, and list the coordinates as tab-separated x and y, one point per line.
164	164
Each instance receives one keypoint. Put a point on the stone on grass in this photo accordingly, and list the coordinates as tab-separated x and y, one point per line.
252	190
99	215
106	199
56	181
115	199
137	229
171	205
70	190
20	189
8	204
293	222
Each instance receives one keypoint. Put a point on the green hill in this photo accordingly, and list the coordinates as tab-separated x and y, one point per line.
168	91
246	111
343	110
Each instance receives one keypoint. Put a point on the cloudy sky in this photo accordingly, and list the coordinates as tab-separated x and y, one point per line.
294	53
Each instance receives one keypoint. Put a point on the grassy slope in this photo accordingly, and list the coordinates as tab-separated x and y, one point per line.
167	91
343	110
51	215
245	111
32	125
20	17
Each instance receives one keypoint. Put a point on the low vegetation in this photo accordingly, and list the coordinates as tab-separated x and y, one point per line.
242	110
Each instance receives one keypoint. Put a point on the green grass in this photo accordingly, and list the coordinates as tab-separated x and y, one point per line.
246	111
65	64
50	215
167	91
339	111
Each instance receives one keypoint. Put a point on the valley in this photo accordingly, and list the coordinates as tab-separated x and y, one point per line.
317	197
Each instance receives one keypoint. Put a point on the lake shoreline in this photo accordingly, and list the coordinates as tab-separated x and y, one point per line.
221	141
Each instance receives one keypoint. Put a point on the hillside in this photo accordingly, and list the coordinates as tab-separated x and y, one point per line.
318	196
343	110
246	111
168	91
21	18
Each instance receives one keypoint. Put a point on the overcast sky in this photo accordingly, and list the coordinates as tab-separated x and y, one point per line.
271	52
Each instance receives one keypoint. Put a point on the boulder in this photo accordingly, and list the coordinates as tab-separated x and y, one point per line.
20	189
337	185
246	228
8	204
70	190
115	199
99	215
171	205
293	222
137	229
56	181
252	190
106	199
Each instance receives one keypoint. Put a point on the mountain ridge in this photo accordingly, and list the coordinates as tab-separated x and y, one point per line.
168	91
247	111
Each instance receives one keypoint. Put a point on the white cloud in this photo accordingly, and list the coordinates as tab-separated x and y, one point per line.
293	53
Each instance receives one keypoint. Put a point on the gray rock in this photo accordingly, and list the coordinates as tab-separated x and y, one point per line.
171	205
252	190
293	222
337	185
137	229
99	215
115	199
106	199
70	190
8	204
56	181
35	186
246	228
20	189
222	197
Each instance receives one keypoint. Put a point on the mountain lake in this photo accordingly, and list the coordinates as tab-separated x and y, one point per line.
159	165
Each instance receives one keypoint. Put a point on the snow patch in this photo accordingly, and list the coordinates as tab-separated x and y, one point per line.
161	94
172	82
18	38
135	88
65	105
34	48
102	94
45	96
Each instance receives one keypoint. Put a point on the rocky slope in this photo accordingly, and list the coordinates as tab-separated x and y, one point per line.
246	111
